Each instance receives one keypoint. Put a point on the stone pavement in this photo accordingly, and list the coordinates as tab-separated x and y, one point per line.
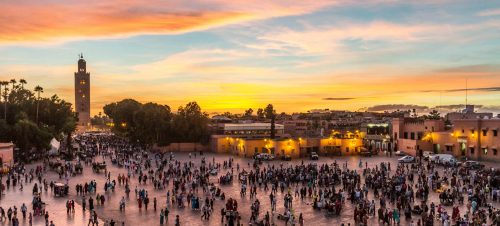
134	216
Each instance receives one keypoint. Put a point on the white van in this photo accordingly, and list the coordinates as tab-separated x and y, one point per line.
444	159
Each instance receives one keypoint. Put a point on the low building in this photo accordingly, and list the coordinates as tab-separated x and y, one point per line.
252	130
297	147
472	138
377	136
296	128
6	154
411	134
468	113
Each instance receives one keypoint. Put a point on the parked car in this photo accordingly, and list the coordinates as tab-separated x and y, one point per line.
314	156
406	159
427	155
443	159
366	153
474	165
268	157
264	157
286	158
399	153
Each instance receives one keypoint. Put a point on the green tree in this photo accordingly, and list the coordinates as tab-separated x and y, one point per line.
5	95
248	113
30	121
38	90
191	124
270	113
22	82
260	113
122	114
434	114
27	135
152	124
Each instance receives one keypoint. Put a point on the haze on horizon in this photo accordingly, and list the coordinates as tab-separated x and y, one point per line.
233	55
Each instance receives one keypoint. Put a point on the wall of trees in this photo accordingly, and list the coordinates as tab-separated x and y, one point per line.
152	123
30	120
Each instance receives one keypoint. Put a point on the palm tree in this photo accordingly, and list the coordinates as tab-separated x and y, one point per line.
13	82
39	90
5	89
23	82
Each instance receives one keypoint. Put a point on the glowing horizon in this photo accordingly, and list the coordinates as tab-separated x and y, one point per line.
234	55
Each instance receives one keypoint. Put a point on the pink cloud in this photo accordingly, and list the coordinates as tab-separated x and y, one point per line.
490	12
43	20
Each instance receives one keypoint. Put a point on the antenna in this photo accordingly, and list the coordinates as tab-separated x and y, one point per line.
466	92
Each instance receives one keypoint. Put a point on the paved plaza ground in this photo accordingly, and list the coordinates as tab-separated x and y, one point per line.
134	216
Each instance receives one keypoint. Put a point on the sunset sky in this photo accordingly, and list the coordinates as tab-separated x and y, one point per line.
229	55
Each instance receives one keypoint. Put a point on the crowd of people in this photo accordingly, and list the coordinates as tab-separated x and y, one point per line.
387	194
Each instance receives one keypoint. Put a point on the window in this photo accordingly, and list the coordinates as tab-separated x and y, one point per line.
472	131
495	133
405	136
463	131
420	135
471	150
346	149
82	82
412	135
495	151
396	136
485	132
256	150
485	151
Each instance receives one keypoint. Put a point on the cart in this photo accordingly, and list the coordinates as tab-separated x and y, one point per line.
97	167
60	190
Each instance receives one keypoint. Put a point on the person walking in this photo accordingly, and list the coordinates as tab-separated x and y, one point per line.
162	217
177	221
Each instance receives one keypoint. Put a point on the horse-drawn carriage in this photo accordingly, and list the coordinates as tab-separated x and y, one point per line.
98	166
60	189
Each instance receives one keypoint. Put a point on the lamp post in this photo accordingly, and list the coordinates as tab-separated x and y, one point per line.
300	148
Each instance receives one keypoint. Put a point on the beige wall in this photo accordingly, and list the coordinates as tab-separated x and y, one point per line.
467	139
412	146
470	131
293	147
7	154
426	129
182	147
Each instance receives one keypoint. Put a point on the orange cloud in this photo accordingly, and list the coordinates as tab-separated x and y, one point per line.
35	21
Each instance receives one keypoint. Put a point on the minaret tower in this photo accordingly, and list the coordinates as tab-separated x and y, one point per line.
82	93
